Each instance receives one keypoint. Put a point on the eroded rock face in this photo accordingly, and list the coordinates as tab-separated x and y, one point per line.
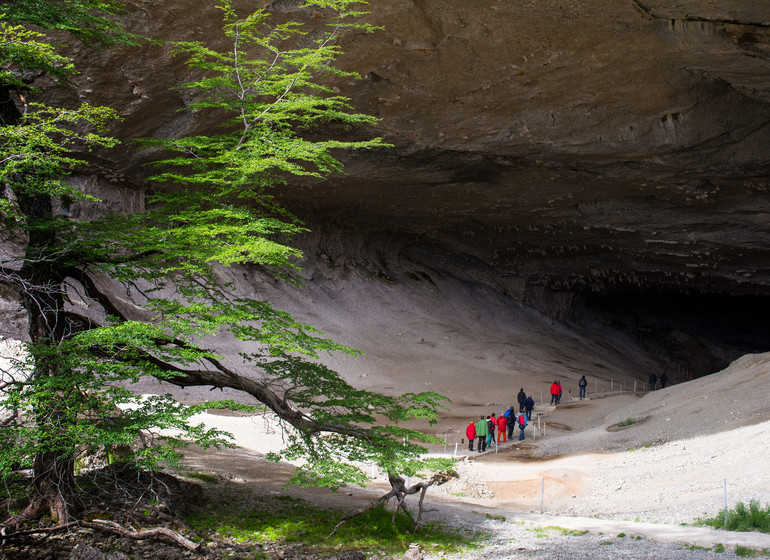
567	152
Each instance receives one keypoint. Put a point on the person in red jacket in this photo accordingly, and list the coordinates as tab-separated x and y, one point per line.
470	433
502	428
555	392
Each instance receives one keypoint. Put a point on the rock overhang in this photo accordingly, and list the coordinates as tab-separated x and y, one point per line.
588	146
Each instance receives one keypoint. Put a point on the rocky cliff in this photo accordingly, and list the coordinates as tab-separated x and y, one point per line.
594	159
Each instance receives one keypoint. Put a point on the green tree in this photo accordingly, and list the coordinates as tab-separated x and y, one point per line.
271	87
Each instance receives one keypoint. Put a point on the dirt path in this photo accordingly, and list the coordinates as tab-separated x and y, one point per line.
686	448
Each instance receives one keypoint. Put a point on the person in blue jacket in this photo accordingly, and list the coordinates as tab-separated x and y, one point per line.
529	404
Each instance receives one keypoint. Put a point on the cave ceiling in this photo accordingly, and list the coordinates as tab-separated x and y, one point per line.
592	144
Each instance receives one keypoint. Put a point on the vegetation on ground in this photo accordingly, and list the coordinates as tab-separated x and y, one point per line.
295	522
748	552
742	517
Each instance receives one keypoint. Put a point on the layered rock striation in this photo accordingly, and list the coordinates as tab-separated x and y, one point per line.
590	158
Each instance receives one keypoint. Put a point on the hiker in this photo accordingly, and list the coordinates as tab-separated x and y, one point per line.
653	381
470	433
554	392
482	431
522	424
521	397
560	391
510	417
502	428
529	404
663	380
491	426
582	384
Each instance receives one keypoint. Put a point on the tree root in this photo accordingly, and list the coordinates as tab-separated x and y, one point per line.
400	492
157	532
107	527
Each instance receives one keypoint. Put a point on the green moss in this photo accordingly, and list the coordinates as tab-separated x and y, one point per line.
288	520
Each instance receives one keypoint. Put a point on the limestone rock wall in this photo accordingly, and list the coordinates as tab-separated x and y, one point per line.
560	150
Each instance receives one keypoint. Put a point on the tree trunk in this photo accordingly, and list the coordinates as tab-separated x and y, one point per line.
55	495
43	299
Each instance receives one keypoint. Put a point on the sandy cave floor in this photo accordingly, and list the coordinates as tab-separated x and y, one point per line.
688	446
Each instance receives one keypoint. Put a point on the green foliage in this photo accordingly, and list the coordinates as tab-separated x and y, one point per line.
23	50
90	21
741	518
294	521
85	411
719	548
267	87
268	84
210	209
36	153
626	422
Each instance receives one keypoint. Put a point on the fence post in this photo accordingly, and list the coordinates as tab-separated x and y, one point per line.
725	491
542	495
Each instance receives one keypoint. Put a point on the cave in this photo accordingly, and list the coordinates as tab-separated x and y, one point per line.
603	164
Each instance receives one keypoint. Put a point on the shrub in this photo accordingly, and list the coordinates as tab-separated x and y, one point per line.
742	518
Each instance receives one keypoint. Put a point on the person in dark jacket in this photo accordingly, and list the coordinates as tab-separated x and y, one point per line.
491	426
582	384
521	397
653	381
529	404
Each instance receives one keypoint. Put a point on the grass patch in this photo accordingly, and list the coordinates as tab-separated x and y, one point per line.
741	518
496	517
292	521
626	422
745	552
573	532
540	532
719	548
203	477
